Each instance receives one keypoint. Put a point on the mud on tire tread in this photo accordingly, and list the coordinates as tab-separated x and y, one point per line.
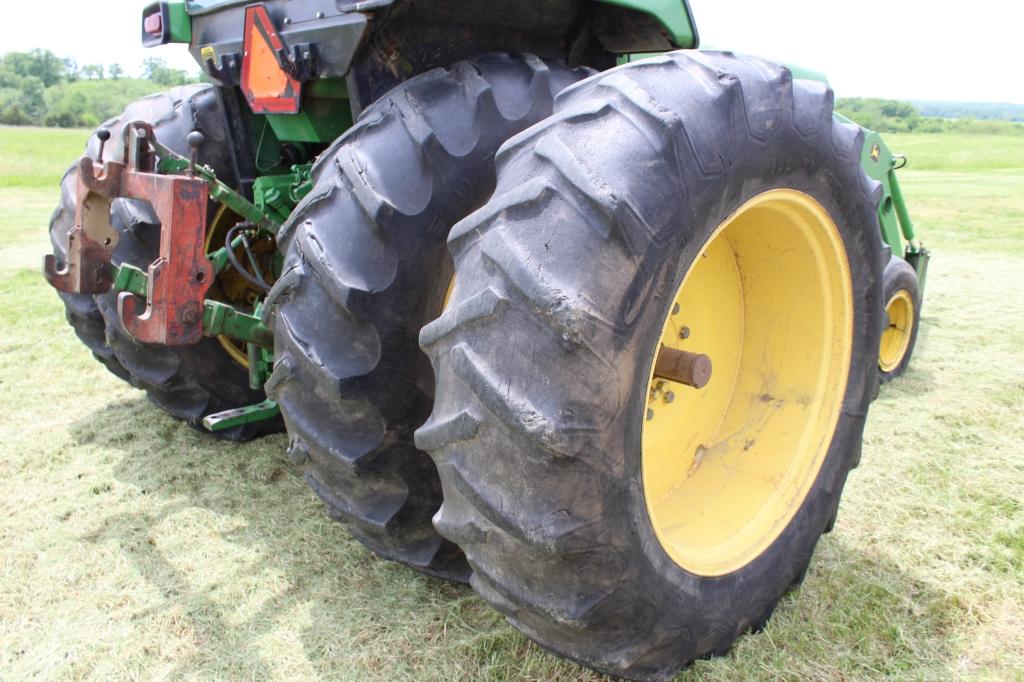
365	267
188	383
540	352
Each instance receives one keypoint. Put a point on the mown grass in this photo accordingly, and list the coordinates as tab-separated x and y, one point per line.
37	157
135	547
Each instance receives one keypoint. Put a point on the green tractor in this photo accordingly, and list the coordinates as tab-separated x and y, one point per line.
548	300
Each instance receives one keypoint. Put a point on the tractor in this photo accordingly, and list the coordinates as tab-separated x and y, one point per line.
547	299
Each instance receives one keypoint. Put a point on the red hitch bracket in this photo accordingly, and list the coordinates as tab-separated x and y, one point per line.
179	279
92	240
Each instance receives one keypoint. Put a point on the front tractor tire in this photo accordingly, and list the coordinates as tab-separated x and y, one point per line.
365	268
187	382
696	204
901	294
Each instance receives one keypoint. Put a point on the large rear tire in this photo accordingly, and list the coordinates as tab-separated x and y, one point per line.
187	382
365	268
702	201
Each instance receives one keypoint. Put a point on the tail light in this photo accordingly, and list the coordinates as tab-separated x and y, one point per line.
156	24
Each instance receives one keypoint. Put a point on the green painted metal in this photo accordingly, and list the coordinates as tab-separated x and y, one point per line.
878	162
219	257
223	194
919	261
901	207
230	419
325	114
277	195
180	22
221	319
328	88
205	6
130	278
261	358
803	73
897	227
261	363
172	163
674	15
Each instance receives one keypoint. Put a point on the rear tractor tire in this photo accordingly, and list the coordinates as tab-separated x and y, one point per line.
902	296
186	382
365	268
690	205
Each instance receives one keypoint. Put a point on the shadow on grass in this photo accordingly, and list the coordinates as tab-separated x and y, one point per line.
176	471
357	616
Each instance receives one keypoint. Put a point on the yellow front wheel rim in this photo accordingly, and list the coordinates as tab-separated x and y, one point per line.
769	299
896	337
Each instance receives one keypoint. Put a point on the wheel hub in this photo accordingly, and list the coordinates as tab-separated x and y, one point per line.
896	337
727	464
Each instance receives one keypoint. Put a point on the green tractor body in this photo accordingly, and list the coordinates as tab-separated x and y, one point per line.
310	243
213	29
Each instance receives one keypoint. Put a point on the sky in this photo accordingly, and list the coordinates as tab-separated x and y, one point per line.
962	50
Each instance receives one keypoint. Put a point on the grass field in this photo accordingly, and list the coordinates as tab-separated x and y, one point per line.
135	547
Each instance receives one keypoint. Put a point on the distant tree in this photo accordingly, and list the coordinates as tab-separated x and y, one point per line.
1001	111
93	71
86	103
880	115
156	70
116	72
21	100
68	113
71	72
41	64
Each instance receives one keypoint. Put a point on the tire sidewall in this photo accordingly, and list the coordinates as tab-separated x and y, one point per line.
771	573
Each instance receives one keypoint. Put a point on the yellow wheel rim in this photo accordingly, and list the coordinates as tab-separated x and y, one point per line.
222	221
896	337
769	299
448	293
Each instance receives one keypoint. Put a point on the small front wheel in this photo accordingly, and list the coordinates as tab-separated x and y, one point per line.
902	295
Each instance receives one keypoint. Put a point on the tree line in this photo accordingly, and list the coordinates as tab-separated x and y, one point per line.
892	116
40	88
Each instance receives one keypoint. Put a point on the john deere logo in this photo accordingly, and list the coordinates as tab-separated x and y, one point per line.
876	152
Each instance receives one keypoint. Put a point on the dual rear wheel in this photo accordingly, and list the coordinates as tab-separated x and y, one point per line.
697	203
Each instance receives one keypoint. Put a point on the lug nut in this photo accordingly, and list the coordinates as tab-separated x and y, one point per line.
684	333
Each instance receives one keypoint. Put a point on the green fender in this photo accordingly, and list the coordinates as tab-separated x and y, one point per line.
674	15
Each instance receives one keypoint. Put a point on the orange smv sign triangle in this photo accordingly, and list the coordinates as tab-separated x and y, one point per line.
267	87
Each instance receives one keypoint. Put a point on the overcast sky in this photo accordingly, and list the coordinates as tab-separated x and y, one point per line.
909	49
